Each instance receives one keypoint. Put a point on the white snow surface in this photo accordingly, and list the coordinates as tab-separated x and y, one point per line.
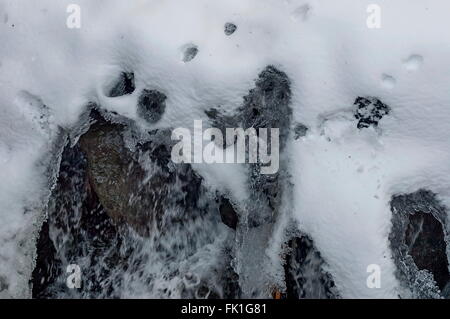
343	177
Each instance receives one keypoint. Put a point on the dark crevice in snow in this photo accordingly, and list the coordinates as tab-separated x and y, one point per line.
228	213
124	85
305	275
420	244
190	51
230	28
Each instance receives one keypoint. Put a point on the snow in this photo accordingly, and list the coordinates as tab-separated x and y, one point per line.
343	178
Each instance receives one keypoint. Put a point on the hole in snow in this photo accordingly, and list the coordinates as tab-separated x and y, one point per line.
228	214
151	105
301	13
124	85
413	62
190	51
388	81
230	28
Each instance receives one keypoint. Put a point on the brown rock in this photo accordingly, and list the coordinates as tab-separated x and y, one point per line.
117	178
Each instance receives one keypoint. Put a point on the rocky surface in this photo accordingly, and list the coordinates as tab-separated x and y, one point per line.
267	106
114	174
113	206
77	228
115	201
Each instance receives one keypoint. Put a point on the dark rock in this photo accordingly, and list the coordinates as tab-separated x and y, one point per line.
124	85
116	177
305	274
418	241
151	105
230	28
227	213
370	111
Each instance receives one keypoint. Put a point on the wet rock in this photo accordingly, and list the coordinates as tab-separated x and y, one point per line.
369	111
305	274
230	28
109	167
124	85
151	105
267	106
116	177
77	231
418	241
227	213
136	188
119	212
